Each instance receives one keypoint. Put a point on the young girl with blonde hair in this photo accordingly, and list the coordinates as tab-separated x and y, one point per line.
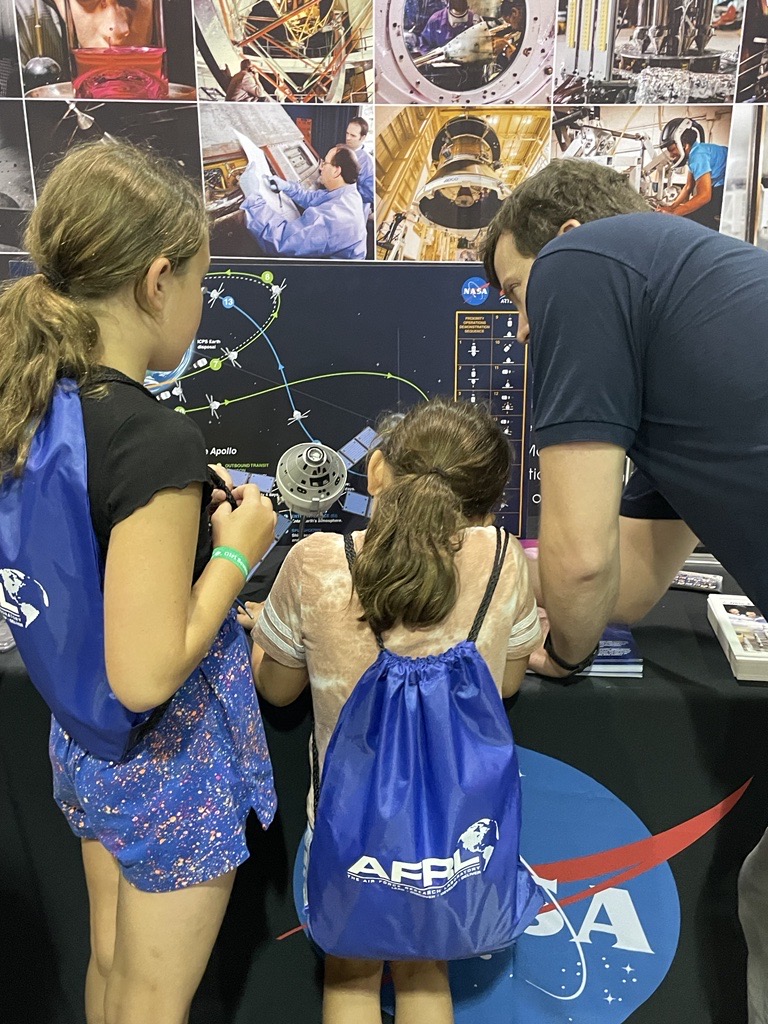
120	240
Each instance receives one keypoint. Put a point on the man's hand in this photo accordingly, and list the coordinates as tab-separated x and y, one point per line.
275	184
540	662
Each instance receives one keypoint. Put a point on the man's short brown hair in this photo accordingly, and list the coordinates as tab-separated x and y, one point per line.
563	190
362	124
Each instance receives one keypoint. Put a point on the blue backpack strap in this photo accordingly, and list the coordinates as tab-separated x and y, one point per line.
349	551
498	562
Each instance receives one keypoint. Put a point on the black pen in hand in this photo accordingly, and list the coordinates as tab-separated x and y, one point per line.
243	608
220	485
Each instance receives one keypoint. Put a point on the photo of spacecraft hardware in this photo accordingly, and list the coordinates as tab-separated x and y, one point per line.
745	206
464	51
442	175
285	51
638	142
753	67
656	51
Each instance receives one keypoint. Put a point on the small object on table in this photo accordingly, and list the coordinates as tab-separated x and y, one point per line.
709	583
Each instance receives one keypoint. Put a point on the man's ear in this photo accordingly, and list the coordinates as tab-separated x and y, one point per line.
571	223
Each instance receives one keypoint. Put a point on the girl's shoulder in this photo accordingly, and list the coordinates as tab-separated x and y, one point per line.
479	549
315	571
317	552
130	405
480	538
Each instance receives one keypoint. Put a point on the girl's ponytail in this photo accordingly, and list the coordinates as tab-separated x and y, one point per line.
47	335
405	572
450	462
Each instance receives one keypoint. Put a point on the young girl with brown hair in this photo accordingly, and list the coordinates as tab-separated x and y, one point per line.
418	578
120	240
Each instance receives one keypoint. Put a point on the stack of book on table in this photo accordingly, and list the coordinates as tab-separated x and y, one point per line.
618	655
743	634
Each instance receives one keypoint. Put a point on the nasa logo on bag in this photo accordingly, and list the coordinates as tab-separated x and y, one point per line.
22	599
433	876
606	940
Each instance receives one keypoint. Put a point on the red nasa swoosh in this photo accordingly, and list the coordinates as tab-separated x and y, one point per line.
626	862
623	863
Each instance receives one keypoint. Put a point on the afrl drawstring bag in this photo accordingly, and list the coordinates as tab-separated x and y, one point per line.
51	578
415	852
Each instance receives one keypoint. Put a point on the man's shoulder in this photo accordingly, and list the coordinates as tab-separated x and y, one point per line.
636	240
349	195
626	239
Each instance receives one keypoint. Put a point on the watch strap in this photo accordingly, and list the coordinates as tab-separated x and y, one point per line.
567	666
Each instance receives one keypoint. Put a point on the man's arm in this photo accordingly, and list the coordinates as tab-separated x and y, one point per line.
595	566
314	233
365	181
265	224
652	552
252	86
302	196
579	556
701	196
685	191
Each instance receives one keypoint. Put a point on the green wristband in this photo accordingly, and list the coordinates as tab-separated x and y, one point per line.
234	556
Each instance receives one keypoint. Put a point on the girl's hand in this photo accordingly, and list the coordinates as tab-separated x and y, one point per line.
218	495
250	528
223	472
247	619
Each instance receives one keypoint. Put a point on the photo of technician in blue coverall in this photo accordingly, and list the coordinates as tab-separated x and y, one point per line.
701	198
332	225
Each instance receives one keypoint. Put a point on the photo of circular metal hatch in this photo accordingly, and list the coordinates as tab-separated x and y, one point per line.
464	51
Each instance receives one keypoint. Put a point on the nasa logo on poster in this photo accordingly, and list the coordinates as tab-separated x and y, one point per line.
605	941
475	291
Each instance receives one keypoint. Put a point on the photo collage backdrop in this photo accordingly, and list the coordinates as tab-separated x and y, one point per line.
352	154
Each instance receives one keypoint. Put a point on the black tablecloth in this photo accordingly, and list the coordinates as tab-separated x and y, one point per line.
670	745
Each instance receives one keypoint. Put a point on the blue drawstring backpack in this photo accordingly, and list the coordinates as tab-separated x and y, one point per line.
415	851
51	576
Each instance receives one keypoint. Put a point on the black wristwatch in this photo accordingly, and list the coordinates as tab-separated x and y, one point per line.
572	670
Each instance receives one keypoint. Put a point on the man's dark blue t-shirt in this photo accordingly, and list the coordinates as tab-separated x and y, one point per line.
650	332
